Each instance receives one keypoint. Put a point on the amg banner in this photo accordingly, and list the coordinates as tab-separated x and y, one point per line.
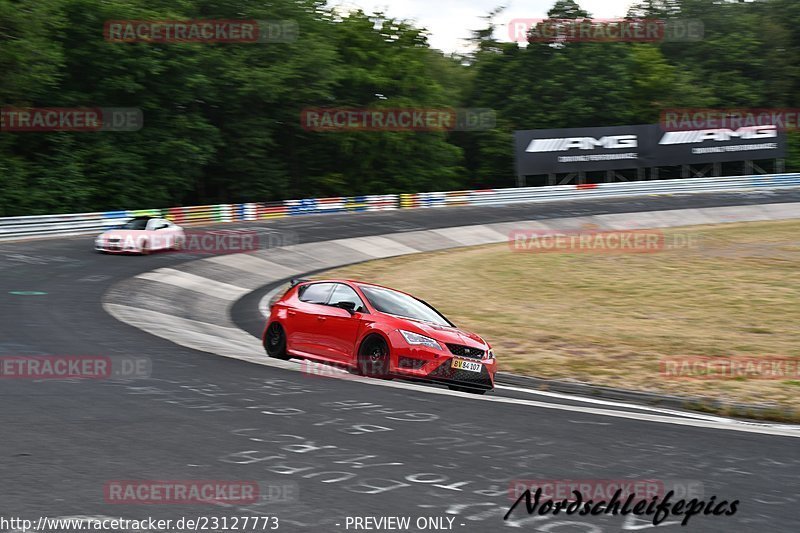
640	146
717	145
577	149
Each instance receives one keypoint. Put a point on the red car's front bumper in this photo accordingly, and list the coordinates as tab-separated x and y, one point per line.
437	365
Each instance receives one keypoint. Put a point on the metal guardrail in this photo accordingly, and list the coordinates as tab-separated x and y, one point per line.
12	228
635	188
20	227
87	223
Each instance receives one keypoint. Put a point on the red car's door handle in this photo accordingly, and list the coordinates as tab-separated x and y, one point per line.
321	318
291	313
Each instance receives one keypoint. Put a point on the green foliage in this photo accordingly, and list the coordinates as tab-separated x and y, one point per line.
222	121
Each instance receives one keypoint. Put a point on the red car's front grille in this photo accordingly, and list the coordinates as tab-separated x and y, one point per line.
465	351
446	373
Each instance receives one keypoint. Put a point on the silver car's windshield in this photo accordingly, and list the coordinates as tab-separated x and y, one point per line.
136	223
397	303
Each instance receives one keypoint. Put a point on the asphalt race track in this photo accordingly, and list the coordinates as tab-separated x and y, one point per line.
326	449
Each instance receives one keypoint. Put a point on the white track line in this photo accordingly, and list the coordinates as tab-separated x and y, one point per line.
724	424
623	405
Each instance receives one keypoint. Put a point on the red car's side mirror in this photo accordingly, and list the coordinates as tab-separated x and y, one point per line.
350	307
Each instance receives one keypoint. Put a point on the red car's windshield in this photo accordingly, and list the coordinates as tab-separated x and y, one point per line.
397	303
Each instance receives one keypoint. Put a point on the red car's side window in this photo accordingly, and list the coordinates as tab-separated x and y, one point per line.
316	293
342	293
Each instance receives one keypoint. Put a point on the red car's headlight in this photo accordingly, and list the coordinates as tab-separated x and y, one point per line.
422	340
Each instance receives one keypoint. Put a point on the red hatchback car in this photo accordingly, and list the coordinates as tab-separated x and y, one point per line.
378	332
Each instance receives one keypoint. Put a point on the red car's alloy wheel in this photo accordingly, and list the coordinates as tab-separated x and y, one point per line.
373	358
275	341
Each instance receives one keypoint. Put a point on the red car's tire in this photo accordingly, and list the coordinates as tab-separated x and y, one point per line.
373	357
275	342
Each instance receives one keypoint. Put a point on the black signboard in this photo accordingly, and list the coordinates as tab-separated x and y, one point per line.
640	146
717	145
579	149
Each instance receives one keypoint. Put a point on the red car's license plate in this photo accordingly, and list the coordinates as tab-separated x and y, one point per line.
470	366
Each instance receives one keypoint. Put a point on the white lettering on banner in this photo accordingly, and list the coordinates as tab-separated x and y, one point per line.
720	135
610	142
597	157
736	148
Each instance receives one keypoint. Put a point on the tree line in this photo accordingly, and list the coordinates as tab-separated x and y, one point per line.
222	121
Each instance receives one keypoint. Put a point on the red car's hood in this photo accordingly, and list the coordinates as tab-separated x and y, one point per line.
451	335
